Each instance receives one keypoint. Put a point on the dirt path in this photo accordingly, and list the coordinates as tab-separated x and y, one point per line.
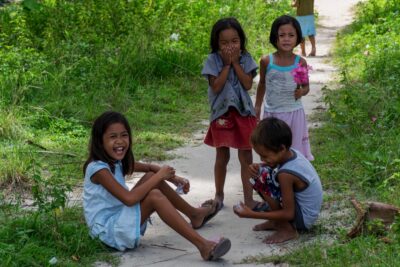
161	246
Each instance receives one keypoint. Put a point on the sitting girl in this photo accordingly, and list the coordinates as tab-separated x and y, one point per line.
287	182
117	215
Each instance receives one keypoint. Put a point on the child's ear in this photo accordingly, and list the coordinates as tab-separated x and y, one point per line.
283	148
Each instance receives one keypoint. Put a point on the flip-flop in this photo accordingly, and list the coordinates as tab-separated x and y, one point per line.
208	217
210	202
261	207
220	249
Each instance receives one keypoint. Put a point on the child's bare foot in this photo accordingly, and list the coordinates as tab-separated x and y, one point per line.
312	53
265	226
212	251
281	236
205	213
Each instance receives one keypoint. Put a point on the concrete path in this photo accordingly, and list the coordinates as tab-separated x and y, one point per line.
161	246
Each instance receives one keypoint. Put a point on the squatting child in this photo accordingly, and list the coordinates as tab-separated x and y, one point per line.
286	180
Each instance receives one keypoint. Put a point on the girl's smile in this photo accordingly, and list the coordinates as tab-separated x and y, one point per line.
271	158
116	141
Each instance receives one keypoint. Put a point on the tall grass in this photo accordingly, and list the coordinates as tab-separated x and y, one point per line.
72	60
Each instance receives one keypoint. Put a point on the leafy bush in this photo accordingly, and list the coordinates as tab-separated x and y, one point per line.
366	111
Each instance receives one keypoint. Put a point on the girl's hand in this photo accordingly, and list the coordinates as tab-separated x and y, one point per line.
298	93
254	169
180	181
242	210
258	112
226	56
166	172
235	54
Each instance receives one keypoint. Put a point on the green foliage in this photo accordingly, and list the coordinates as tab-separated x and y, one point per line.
362	251
367	108
99	51
62	63
32	239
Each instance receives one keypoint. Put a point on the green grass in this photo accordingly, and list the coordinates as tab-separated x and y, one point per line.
35	238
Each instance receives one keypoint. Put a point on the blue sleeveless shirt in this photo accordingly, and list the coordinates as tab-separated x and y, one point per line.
310	198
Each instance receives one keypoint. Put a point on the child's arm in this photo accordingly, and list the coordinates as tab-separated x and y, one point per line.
146	167
176	180
218	83
286	213
129	198
264	61
246	79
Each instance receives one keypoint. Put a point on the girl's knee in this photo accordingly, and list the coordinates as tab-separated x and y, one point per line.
222	158
245	156
155	195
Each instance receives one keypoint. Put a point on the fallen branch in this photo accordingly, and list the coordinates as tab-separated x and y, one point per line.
372	211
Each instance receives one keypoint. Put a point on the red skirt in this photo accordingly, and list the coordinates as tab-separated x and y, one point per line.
231	130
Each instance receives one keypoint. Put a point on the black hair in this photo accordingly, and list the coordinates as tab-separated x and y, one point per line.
273	134
223	24
96	146
283	20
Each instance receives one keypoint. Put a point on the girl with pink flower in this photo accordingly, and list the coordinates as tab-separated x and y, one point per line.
284	81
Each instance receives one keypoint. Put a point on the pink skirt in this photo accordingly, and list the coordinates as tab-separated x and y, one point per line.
231	130
298	124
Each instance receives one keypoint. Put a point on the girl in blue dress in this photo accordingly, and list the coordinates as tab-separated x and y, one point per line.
117	215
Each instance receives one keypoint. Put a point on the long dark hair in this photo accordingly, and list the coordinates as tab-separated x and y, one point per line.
223	24
96	147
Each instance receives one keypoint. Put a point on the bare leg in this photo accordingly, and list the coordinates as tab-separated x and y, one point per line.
269	224
303	48
284	232
195	215
313	48
221	162
156	201
246	158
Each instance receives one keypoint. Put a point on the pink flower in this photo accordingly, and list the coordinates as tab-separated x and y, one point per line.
300	74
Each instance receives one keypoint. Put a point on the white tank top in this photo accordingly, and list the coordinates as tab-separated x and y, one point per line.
279	88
